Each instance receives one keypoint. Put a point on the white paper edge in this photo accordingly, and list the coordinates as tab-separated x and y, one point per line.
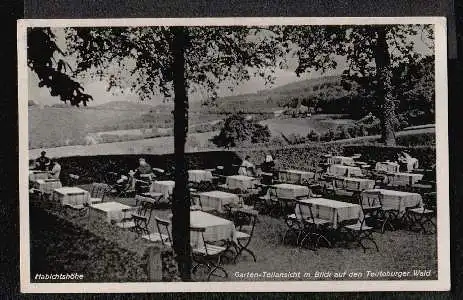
443	223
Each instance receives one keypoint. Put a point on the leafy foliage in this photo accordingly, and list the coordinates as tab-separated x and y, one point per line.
213	55
238	130
370	53
41	52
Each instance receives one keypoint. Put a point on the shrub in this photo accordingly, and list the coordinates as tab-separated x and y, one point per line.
237	130
295	138
313	136
306	157
423	139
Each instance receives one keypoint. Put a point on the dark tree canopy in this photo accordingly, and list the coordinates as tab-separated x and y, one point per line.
371	52
213	56
237	130
41	52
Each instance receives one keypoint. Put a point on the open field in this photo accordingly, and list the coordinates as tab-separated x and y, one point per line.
200	142
61	126
320	123
160	145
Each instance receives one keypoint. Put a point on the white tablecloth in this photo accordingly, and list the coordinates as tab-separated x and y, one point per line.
342	170
404	179
291	191
46	185
354	184
340	160
71	195
217	229
108	211
199	175
216	199
331	210
34	175
165	187
295	176
392	200
241	182
390	167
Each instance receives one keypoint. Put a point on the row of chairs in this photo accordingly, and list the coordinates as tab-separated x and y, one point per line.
310	230
204	253
420	217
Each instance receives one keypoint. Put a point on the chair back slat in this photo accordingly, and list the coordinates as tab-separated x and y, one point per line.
99	190
200	231
245	217
311	216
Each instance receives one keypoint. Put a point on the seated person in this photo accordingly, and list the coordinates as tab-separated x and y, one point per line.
55	170
42	163
144	168
247	168
407	162
268	166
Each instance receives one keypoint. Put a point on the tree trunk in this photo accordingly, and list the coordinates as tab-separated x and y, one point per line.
181	201
384	92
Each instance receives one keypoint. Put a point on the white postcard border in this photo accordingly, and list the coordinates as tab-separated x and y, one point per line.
442	157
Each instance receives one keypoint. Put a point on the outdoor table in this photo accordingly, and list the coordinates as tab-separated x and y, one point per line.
165	187
295	176
35	174
291	191
217	229
71	196
240	182
331	210
342	170
199	175
392	200
403	179
387	166
217	199
110	211
46	186
340	160
354	184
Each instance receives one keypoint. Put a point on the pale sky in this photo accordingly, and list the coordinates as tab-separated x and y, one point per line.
98	88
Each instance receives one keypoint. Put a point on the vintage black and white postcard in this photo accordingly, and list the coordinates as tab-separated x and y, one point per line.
264	154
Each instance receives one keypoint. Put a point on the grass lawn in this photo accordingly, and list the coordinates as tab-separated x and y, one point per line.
116	253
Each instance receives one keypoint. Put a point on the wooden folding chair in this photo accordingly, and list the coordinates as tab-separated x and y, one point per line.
164	232
245	222
207	255
98	192
360	232
371	207
269	203
423	216
314	228
387	216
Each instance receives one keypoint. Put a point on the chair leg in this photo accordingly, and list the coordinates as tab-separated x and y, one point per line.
243	248
309	237
215	267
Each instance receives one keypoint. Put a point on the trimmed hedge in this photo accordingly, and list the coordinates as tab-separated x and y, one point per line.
301	158
305	157
94	168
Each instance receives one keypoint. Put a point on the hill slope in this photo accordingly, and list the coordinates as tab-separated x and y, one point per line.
271	99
